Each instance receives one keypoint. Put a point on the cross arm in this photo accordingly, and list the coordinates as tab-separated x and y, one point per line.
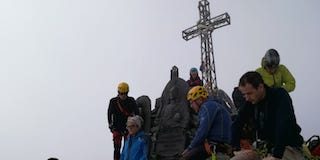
191	32
205	26
219	21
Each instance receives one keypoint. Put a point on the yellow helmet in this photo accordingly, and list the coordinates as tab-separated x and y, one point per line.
197	92
123	87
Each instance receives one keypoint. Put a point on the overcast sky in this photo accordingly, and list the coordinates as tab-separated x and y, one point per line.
61	61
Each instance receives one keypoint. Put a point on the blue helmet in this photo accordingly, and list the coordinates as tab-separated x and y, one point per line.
192	70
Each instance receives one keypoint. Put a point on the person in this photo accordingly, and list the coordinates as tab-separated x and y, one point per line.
120	108
53	158
194	79
135	146
276	130
214	127
247	136
275	74
238	98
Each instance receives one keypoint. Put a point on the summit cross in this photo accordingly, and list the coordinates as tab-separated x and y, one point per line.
204	28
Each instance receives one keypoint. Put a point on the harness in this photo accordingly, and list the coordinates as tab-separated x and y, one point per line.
213	147
123	110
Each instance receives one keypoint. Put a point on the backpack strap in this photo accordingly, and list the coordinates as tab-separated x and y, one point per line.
122	110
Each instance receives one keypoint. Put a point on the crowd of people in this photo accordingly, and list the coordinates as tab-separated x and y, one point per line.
265	127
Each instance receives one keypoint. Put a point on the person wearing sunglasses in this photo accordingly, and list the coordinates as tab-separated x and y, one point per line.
135	146
120	108
274	74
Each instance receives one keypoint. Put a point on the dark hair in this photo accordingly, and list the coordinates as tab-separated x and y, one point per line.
53	159
251	77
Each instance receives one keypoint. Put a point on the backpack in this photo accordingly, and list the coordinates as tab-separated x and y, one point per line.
313	144
238	98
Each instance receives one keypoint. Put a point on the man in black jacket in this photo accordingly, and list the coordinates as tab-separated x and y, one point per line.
120	108
273	116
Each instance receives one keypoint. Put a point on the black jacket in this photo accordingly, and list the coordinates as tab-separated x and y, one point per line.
274	121
117	115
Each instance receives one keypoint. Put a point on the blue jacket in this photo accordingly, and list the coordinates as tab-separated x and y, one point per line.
214	124
135	147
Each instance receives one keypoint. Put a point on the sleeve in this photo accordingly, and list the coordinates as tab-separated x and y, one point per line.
110	114
284	118
124	152
144	150
237	125
289	83
204	126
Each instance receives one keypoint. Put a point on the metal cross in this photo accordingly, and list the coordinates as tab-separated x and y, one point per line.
204	29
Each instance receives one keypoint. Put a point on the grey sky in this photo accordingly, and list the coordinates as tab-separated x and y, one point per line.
60	62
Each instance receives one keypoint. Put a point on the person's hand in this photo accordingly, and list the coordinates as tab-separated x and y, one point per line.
111	128
245	154
184	152
245	144
115	133
271	158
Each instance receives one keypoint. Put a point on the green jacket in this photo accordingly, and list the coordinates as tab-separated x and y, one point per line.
281	78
